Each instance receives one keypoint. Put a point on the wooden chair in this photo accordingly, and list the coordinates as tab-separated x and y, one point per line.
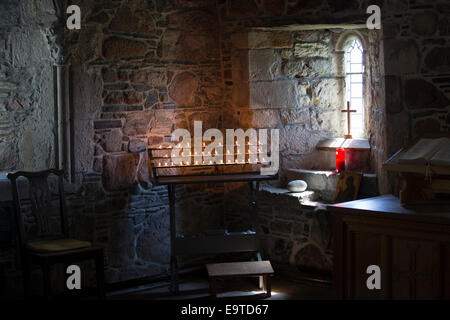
48	248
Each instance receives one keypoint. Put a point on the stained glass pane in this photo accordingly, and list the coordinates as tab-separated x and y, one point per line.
356	104
356	78
357	90
358	67
356	56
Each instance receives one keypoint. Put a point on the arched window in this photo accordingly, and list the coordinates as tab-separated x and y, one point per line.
354	81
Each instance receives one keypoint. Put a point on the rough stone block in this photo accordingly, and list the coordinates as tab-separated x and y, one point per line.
121	245
296	116
421	94
113	140
137	145
24	39
133	97
305	68
298	140
8	157
264	118
149	77
276	94
280	226
310	256
119	170
279	249
274	7
424	24
107	124
7	85
118	48
438	59
328	93
242	8
9	13
137	124
183	87
311	49
307	36
262	40
87	93
196	21
401	57
89	43
211	94
263	64
152	99
194	3
114	98
426	126
187	47
393	94
156	233
131	21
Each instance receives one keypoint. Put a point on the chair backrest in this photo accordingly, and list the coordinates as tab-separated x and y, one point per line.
40	196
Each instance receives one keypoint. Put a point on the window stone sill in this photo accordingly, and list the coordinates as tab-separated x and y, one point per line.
336	143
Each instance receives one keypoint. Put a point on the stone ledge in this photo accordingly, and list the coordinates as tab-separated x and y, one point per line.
307	199
303	197
336	143
325	182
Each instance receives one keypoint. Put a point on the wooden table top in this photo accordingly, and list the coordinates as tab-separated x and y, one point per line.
389	206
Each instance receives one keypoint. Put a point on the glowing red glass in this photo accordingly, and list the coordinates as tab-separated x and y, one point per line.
340	160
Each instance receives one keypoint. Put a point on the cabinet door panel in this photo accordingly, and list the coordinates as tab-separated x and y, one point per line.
366	249
415	269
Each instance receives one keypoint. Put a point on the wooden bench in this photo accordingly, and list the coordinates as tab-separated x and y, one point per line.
240	269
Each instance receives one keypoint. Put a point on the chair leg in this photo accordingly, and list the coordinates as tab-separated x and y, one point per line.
100	274
174	280
213	287
268	286
47	277
26	273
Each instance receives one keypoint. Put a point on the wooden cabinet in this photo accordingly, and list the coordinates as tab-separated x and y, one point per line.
411	247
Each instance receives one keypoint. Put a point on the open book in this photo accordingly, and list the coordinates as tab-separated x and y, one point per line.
428	151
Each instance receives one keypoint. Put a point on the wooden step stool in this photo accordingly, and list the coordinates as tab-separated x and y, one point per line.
240	269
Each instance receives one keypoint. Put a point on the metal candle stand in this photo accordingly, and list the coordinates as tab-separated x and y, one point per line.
210	244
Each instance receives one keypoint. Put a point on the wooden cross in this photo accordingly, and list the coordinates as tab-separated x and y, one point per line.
348	111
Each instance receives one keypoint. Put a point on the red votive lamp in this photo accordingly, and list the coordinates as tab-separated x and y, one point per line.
340	160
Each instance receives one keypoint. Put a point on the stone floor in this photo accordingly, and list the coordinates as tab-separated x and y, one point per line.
197	288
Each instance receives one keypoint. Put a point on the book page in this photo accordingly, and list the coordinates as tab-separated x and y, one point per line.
442	156
422	151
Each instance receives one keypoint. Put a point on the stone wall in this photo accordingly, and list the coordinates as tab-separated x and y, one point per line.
290	233
141	69
28	51
416	46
